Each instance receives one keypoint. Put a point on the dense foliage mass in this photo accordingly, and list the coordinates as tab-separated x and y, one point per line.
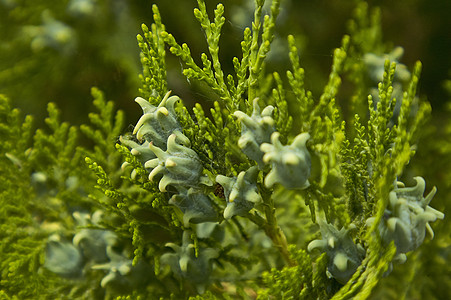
266	191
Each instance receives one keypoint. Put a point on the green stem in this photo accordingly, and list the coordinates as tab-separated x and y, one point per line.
252	81
272	229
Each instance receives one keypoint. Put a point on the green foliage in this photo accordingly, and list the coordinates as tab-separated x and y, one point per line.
153	79
225	203
21	247
108	125
294	282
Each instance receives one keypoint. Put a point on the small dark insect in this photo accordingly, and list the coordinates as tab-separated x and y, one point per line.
219	191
